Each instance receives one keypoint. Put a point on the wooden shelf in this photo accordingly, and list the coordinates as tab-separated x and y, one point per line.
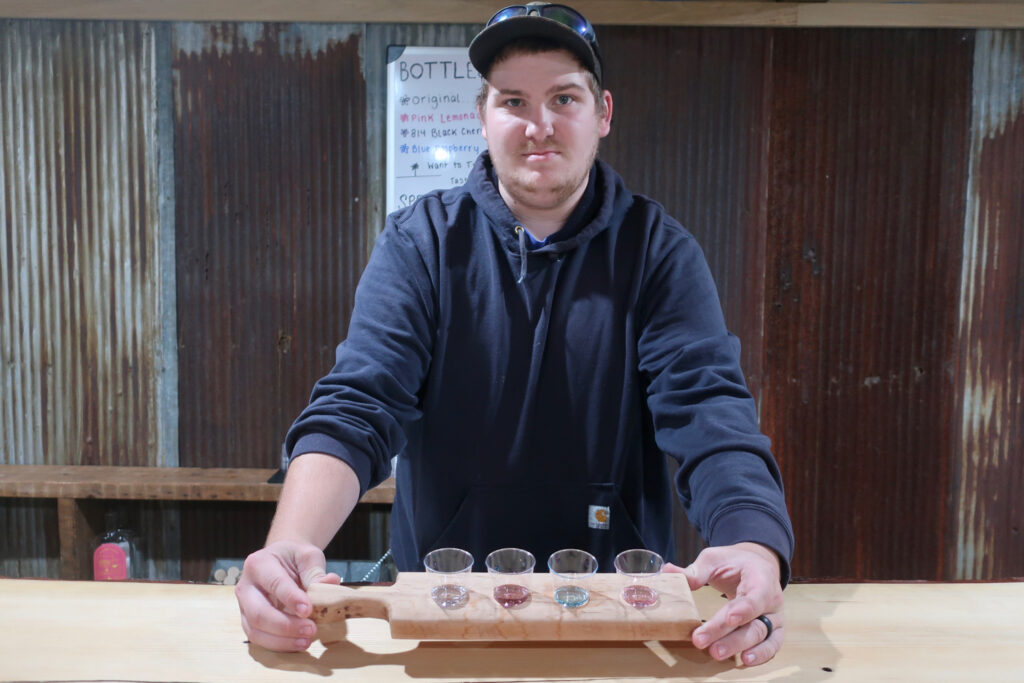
963	14
78	490
152	483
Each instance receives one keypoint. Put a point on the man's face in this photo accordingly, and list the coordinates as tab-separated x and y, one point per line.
542	127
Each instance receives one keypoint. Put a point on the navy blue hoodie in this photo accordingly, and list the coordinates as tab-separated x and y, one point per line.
538	414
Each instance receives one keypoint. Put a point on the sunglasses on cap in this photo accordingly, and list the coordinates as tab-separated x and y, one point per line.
566	16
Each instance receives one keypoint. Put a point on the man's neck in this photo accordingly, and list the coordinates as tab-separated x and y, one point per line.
542	222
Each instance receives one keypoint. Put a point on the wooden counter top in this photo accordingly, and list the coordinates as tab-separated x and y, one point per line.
65	630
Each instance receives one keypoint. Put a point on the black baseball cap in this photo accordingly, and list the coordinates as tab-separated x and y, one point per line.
559	23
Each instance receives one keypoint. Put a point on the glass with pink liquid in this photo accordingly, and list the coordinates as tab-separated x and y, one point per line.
508	568
639	567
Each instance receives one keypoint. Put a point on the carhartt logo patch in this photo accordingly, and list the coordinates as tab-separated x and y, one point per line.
599	517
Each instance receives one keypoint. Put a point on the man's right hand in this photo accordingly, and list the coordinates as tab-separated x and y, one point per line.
272	597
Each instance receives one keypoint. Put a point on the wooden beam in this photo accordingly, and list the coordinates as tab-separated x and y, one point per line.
151	483
1007	14
79	522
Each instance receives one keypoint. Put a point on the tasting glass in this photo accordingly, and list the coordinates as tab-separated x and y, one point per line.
448	567
509	568
571	570
639	567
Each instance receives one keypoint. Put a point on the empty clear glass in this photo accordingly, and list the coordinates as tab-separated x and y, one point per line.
448	565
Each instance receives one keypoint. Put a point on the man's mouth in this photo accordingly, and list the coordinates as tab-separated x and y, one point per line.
539	154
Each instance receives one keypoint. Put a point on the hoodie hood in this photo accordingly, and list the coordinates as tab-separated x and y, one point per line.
604	203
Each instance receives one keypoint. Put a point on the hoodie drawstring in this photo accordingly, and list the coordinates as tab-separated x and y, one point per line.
521	231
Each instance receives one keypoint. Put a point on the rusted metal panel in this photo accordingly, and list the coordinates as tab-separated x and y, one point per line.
270	161
867	146
988	475
689	133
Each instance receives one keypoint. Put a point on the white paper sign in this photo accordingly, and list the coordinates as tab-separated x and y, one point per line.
433	130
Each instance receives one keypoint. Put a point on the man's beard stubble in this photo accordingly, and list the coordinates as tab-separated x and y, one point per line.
534	193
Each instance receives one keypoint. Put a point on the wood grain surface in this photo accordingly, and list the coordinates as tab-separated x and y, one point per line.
835	633
151	483
412	614
962	13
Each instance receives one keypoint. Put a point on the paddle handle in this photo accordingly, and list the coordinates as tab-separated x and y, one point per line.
337	603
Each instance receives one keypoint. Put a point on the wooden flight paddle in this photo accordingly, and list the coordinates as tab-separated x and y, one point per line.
412	613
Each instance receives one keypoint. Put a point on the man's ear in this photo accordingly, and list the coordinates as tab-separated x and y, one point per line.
605	126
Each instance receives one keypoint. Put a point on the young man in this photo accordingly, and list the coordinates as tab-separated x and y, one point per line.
532	345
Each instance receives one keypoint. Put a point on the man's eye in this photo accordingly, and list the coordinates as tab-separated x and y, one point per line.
564	99
513	102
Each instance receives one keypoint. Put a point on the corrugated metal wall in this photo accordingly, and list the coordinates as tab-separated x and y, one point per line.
214	189
79	254
988	468
868	138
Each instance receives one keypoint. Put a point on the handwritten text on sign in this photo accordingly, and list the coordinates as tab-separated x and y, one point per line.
433	130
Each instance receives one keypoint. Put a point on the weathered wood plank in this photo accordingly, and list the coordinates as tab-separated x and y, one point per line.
151	483
635	12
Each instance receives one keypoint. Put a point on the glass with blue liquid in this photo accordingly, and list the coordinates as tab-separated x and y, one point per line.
571	571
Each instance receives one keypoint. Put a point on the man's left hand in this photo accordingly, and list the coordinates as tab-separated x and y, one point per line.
748	575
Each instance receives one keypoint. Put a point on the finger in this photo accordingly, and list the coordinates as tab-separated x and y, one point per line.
751	591
766	649
269	627
272	578
714	629
716	568
748	636
330	577
697	573
728	618
311	566
273	641
756	594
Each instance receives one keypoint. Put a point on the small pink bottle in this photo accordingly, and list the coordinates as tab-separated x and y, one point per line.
112	559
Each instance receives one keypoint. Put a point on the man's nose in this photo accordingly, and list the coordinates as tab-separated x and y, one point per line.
539	125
